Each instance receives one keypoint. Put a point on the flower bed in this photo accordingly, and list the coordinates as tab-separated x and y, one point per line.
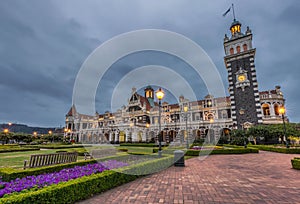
64	175
84	187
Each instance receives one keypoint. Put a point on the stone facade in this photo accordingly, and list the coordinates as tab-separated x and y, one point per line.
187	120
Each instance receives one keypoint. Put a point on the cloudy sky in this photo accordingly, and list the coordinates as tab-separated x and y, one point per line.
43	44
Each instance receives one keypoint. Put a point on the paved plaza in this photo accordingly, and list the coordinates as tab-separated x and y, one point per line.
250	178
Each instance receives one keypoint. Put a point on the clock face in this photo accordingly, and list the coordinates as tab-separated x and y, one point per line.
241	78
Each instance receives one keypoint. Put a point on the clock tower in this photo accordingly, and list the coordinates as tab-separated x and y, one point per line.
243	87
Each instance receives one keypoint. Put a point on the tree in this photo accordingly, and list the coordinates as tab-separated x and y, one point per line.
5	137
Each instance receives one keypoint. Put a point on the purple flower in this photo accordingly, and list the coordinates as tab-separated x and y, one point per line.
64	175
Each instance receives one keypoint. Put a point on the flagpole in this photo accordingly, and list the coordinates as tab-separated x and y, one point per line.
233	12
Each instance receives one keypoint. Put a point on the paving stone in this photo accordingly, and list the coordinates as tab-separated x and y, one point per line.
265	178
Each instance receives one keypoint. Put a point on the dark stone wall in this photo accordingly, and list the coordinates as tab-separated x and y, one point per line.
244	99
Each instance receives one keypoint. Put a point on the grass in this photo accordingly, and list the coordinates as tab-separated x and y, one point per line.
16	159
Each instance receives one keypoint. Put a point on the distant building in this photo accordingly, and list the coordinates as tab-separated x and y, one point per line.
208	118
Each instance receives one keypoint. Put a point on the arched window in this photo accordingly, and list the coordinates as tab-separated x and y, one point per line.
231	51
276	109
210	116
238	49
245	47
266	109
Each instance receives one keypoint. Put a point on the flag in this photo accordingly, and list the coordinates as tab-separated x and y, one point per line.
224	14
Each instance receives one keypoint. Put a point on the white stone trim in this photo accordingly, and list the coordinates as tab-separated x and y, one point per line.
251	63
256	94
231	97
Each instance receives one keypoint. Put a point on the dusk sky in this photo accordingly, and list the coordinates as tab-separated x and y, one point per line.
43	45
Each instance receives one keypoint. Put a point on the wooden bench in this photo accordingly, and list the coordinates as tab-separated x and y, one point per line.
100	153
39	160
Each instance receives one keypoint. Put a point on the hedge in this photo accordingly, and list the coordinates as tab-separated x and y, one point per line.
142	144
84	187
18	150
278	149
8	174
296	163
222	151
62	146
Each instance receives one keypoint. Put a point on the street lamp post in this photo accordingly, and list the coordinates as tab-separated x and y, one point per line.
159	95
50	133
244	136
6	131
211	130
282	112
131	133
186	115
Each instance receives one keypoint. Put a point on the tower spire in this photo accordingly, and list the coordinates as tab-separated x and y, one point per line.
234	19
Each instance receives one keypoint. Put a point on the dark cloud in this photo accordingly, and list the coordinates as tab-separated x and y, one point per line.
44	43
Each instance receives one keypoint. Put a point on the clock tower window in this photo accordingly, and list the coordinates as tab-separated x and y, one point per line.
238	49
245	47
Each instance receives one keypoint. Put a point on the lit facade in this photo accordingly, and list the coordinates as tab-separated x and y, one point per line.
208	119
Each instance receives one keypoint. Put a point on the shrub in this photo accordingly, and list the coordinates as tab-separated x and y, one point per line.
18	149
123	149
278	149
222	151
296	163
143	144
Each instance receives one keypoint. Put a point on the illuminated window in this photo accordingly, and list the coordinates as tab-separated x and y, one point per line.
266	109
245	47
276	109
210	117
238	49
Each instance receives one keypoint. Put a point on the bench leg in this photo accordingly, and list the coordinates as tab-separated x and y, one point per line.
25	164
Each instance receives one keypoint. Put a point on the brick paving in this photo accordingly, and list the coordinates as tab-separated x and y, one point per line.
264	178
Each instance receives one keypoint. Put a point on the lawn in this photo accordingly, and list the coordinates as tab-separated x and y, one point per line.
16	159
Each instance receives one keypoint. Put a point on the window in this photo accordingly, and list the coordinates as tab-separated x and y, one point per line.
245	47
231	51
210	117
276	109
266	109
238	49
